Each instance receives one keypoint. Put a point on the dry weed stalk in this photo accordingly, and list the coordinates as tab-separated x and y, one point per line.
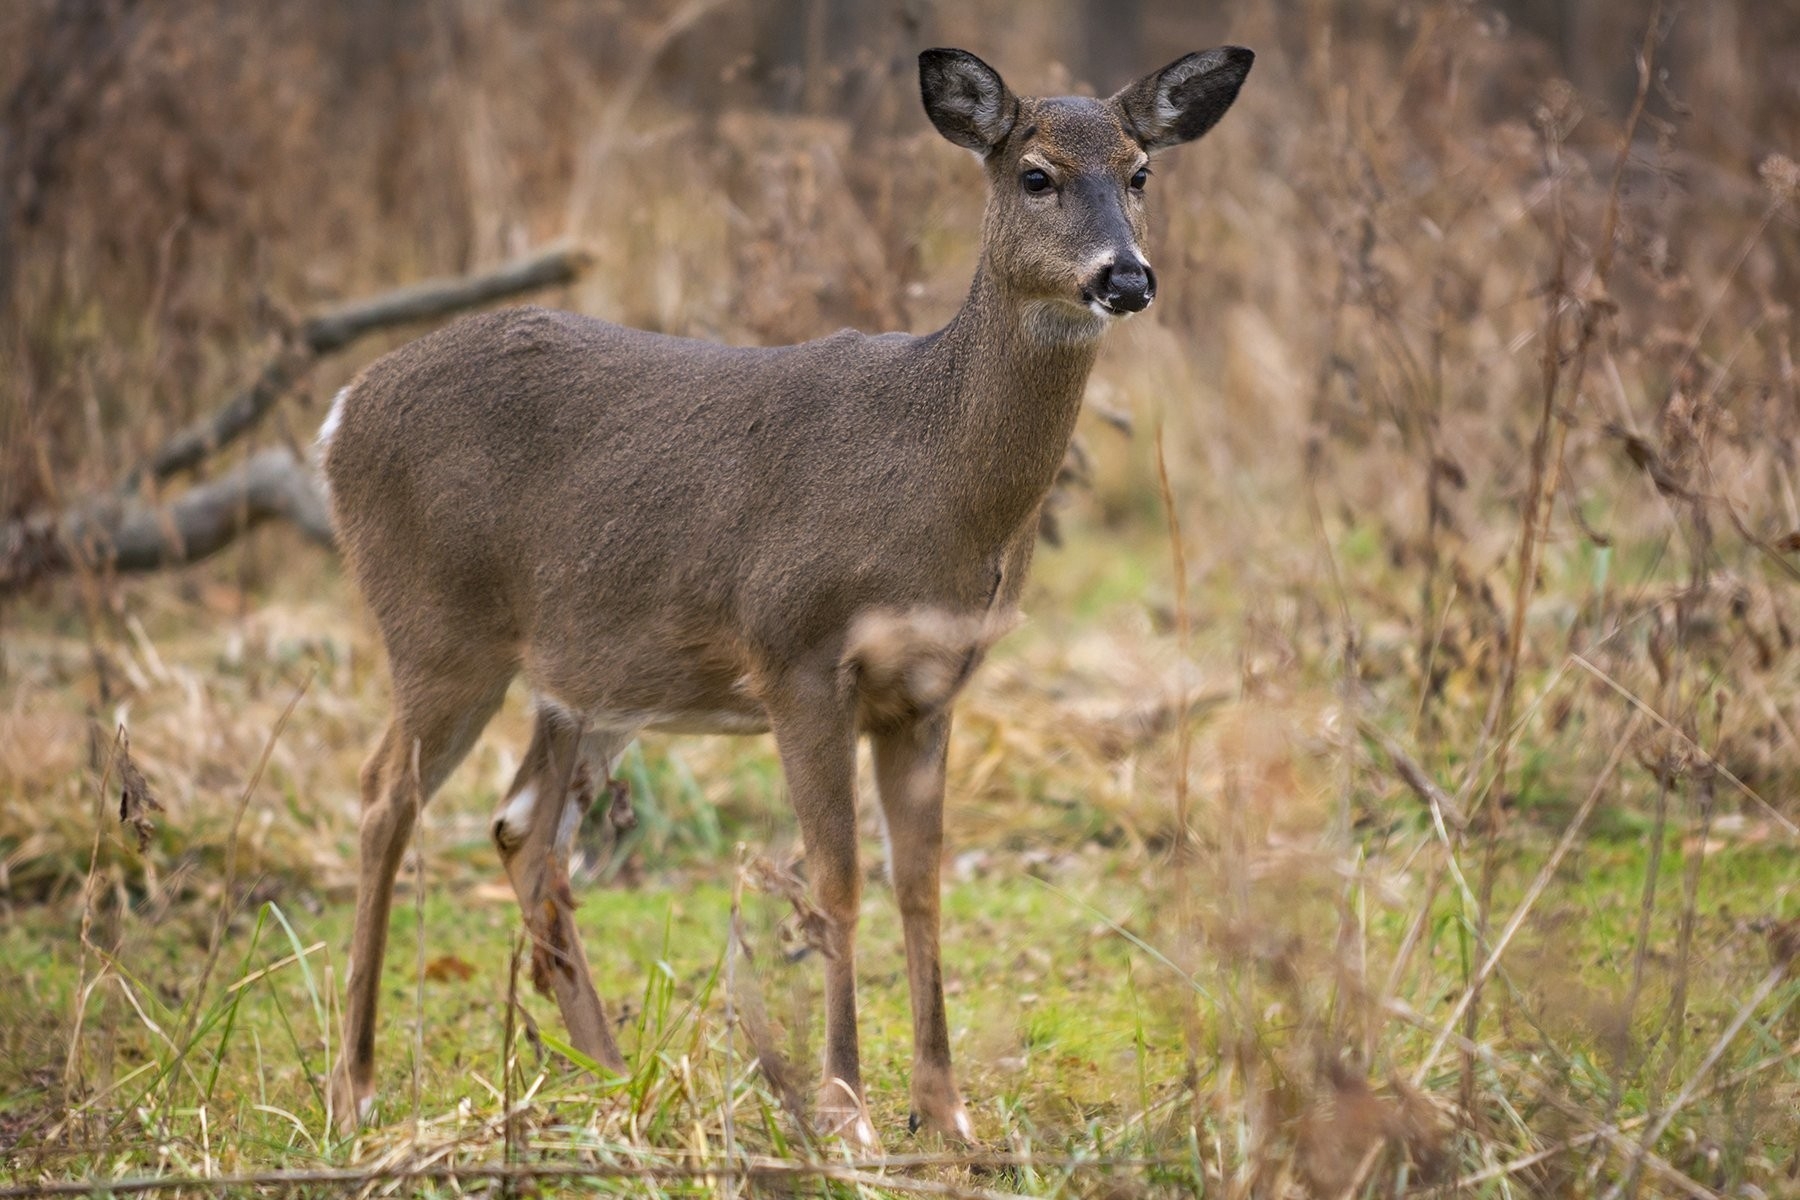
1181	850
1595	306
1425	581
83	988
228	898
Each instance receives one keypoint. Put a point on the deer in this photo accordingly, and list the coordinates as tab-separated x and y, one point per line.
820	540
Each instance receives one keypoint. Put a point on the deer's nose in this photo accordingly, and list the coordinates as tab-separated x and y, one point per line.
1126	285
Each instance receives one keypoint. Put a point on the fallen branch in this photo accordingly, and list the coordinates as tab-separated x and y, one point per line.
1415	777
122	534
336	328
437	298
122	531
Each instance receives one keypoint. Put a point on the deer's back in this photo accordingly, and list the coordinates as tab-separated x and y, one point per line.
608	501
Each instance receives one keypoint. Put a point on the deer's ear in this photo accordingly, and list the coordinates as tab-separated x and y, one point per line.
1186	98
966	99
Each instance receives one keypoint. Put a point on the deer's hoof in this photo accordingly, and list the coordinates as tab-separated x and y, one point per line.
350	1102
944	1116
842	1114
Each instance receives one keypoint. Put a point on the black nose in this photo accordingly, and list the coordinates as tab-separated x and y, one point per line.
1127	285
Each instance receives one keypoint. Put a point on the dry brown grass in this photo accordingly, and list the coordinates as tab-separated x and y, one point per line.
1421	296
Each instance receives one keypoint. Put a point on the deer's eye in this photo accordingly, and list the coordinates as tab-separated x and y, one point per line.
1036	182
1139	178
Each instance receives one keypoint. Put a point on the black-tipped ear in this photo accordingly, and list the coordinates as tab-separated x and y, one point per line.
966	99
1186	98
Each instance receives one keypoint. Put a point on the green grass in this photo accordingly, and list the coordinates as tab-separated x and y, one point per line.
1240	1020
1068	1012
1253	1019
1049	1010
1249	1019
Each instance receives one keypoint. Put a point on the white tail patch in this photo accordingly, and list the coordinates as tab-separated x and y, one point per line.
322	444
333	418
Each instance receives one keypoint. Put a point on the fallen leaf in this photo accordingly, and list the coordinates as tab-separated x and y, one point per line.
619	812
135	801
447	967
811	928
489	892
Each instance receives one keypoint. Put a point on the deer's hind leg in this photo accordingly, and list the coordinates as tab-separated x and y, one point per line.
535	828
435	722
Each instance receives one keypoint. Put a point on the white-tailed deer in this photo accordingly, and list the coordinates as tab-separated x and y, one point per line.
818	540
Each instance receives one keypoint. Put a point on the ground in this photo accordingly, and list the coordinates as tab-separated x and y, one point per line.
1255	1008
1393	790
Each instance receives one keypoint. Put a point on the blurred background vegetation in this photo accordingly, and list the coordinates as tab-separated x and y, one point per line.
178	179
1472	370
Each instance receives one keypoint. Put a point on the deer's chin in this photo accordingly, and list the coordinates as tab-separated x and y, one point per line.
1062	322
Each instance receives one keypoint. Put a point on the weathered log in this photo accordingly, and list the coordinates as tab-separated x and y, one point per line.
438	298
124	531
193	445
336	328
127	535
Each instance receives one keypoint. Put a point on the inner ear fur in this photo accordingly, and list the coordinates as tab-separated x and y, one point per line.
1186	98
966	99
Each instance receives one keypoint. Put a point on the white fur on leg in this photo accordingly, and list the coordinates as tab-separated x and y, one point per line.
571	821
851	1120
514	819
964	1129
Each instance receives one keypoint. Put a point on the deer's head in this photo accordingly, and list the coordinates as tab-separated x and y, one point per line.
1067	177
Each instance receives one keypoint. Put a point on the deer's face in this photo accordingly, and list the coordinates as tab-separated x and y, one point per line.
1068	177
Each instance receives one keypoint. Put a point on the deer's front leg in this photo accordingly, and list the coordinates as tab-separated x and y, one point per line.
816	734
909	771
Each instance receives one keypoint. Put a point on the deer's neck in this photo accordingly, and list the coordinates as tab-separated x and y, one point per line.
1017	372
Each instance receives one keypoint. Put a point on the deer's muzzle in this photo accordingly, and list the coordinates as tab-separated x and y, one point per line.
1122	286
